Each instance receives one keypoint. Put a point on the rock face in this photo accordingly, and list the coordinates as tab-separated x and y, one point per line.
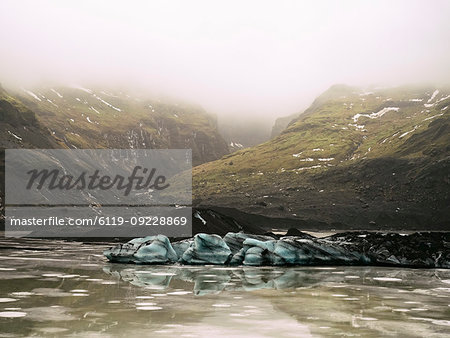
20	128
94	118
421	250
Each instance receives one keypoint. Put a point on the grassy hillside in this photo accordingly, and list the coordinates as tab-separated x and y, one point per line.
88	118
353	159
20	127
281	123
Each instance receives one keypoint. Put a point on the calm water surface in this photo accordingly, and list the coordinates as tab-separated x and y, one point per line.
55	288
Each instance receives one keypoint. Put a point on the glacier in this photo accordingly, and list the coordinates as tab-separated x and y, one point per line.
420	249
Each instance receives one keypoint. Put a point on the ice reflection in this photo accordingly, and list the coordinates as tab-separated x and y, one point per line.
212	280
74	292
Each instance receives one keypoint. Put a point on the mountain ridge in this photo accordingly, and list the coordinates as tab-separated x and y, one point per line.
326	165
79	117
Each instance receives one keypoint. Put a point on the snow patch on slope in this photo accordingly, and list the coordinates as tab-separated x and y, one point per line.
433	96
442	99
197	215
52	103
408	132
32	94
308	168
432	117
12	134
95	110
83	89
107	103
54	91
375	115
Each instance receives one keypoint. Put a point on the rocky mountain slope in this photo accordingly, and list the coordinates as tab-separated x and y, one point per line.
79	117
20	127
353	159
281	123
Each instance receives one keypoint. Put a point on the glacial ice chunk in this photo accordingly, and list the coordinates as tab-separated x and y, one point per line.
180	247
235	240
144	250
350	248
159	251
207	249
258	252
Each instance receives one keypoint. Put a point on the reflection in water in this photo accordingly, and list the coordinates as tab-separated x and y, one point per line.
213	279
70	289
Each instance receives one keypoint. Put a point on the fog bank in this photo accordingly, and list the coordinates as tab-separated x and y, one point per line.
253	58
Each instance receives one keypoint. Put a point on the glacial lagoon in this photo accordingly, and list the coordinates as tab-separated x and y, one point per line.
58	288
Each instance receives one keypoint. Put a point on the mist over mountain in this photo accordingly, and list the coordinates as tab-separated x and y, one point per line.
353	159
231	81
317	199
76	117
259	59
242	132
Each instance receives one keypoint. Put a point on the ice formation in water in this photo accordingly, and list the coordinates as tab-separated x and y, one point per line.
352	248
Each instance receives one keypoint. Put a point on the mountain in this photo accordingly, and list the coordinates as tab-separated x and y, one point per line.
88	118
242	132
353	159
281	123
20	127
334	92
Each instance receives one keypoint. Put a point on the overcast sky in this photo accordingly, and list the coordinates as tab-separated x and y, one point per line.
268	58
